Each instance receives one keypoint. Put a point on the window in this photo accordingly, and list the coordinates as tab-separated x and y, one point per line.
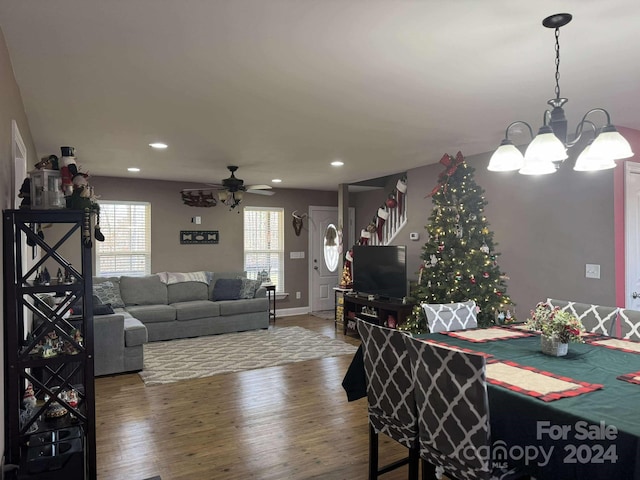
264	244
126	249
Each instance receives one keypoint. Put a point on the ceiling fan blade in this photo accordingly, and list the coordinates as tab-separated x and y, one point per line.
202	189
258	187
260	192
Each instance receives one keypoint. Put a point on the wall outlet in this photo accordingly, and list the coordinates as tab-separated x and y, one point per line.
298	295
592	270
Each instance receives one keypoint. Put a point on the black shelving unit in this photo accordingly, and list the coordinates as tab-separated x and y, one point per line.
49	347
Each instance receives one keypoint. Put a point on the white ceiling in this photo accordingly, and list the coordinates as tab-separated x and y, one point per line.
281	88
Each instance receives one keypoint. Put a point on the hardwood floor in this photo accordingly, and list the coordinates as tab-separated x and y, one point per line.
286	422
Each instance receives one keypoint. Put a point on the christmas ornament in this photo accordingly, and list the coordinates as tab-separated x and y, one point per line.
391	202
473	279
459	231
434	259
484	248
485	275
441	247
472	217
458	277
485	231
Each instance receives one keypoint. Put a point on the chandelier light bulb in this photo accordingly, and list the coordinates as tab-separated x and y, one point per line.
548	149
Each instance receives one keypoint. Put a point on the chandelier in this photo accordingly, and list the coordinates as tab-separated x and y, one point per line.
548	149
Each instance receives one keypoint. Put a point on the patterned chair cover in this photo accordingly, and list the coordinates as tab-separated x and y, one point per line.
453	411
392	406
594	318
629	324
446	317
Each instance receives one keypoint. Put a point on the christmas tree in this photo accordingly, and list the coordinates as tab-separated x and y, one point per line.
459	258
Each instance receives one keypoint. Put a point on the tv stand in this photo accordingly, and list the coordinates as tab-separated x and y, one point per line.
375	311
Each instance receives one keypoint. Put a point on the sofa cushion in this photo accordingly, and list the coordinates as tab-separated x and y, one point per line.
187	291
146	290
196	309
135	333
103	309
153	313
226	289
244	306
249	287
215	276
108	292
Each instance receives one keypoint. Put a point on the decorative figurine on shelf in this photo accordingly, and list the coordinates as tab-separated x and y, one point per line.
68	277
72	398
29	398
59	276
47	349
46	277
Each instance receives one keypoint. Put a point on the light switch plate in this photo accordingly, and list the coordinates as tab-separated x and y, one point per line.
592	270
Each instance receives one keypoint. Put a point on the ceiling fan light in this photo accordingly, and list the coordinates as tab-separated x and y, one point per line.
239	195
223	195
610	143
506	158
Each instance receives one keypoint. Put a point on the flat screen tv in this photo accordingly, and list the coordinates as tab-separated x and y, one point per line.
380	270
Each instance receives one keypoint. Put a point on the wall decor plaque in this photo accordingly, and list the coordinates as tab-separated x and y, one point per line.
199	237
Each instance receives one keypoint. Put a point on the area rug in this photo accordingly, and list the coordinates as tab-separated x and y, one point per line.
325	314
175	360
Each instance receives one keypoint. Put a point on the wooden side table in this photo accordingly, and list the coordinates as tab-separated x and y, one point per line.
271	295
338	291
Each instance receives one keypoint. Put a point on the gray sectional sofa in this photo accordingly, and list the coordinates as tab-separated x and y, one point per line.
167	306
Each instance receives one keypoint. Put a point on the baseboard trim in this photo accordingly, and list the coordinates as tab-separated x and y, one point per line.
289	312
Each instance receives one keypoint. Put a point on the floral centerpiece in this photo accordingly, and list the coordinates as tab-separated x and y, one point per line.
557	327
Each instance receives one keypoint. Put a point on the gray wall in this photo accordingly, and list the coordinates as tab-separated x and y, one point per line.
547	228
11	108
169	215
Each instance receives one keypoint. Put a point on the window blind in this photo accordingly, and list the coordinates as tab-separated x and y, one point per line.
127	246
264	243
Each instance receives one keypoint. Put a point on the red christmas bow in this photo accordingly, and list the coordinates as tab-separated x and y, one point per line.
451	165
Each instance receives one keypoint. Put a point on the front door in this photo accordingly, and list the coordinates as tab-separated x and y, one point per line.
324	274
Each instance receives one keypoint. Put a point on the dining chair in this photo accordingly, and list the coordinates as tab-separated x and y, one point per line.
446	317
391	403
629	324
594	318
453	412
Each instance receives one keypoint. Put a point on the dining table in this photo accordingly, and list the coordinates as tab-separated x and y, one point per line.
570	417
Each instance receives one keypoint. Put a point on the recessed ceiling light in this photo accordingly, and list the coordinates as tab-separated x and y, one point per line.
158	145
276	180
337	163
133	169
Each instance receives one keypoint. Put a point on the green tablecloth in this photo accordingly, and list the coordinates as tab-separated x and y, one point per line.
560	426
569	438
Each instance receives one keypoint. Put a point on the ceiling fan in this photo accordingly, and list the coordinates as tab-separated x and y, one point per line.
230	192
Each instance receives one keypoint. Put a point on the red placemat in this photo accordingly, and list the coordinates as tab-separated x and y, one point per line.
481	335
545	386
616	344
633	377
